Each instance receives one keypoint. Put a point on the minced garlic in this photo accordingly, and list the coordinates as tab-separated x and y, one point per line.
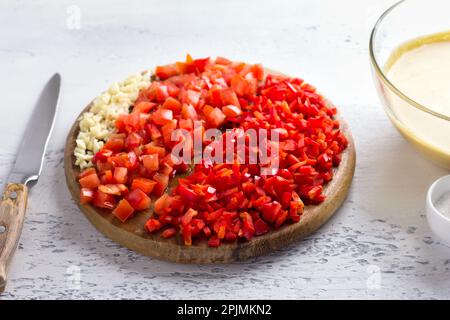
99	122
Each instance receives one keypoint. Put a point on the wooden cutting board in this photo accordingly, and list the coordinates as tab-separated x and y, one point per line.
133	235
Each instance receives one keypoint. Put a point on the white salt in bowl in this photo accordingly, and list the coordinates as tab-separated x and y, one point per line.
438	208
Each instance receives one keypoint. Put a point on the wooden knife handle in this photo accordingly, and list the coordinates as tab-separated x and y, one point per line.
12	213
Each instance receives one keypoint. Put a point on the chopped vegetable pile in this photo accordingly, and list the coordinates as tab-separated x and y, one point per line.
216	202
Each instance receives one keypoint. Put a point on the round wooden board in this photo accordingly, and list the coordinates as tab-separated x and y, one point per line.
132	234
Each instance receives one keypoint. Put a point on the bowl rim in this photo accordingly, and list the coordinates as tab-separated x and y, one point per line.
432	209
384	78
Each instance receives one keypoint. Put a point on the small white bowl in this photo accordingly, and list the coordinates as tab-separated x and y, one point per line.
439	223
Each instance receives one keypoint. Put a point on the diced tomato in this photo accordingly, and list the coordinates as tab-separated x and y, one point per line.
102	155
117	160
162	181
239	85
191	97
120	175
228	96
114	144
207	109
103	200
173	90
162	116
126	123
154	149
123	211
151	162
145	185
160	92
144	106
215	97
161	204
172	104
164	72
258	71
154	132
188	112
231	111
113	189
138	199
186	124
91	181
182	79
167	131
131	160
200	64
104	167
86	195
107	177
223	61
216	117
86	172
133	140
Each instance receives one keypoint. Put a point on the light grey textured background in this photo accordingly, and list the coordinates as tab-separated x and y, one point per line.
377	246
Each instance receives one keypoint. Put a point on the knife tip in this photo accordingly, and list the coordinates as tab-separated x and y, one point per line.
55	79
57	76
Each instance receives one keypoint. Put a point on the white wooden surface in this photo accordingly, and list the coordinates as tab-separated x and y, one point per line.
377	246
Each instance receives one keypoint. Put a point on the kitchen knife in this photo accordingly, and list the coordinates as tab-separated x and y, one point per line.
26	171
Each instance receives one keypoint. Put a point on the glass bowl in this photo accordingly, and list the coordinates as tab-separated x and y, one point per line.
405	21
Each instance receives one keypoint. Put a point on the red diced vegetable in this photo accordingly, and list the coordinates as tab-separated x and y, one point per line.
231	111
145	185
123	211
172	104
222	202
151	162
91	181
86	173
162	181
138	199
120	175
153	225
214	242
216	117
164	72
103	200
162	116
113	189
169	233
86	195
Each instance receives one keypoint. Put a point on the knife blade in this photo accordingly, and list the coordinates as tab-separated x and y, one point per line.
28	164
26	169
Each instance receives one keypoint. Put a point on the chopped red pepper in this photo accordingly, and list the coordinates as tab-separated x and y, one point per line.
222	202
169	233
153	225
